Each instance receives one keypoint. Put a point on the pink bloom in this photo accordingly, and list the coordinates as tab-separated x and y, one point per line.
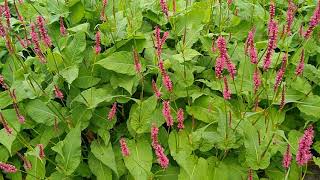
161	157
35	41
2	30
43	32
305	142
167	82
273	34
300	67
283	98
290	16
167	113
102	14
136	61
5	124
98	40
7	12
113	111
287	158
256	80
155	89
22	42
104	3
41	151
219	66
160	41
226	91
58	92
20	1
221	44
231	68
15	106
21	119
280	73
8	168
180	117
124	148
250	174
161	67
314	21
272	10
253	55
229	2
63	30
154	135
249	42
164	7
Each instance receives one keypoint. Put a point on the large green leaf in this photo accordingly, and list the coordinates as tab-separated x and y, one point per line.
93	96
38	169
103	151
42	112
310	106
69	151
140	160
120	62
100	170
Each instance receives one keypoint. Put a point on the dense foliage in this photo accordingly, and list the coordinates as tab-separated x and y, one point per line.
159	89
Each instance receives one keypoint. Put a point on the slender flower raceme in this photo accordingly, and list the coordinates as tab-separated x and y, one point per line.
36	44
154	135
287	157
98	41
180	118
161	157
155	89
300	66
160	41
280	73
256	80
167	113
167	82
103	14
229	2
223	59
43	32
58	92
5	124
2	30
305	142
290	16
137	63
164	7
231	68
8	168
41	151
124	148
273	35
272	9
63	30
7	14
26	163
15	106
250	40
112	111
219	66
314	21
226	90
283	97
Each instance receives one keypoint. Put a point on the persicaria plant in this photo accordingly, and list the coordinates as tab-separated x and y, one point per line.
159	89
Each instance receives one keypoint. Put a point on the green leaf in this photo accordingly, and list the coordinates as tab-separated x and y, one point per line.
42	112
187	55
100	170
139	162
93	96
141	114
103	151
38	169
120	62
70	73
77	13
310	106
73	53
129	83
69	151
80	28
206	108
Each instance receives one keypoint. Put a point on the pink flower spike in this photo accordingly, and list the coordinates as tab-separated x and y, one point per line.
300	67
219	66
287	157
7	13
124	148
63	30
36	44
58	92
305	142
105	3
113	111
43	32
5	124
290	16
22	120
161	157
283	97
167	113
272	10
41	151
156	90
273	35
154	135
2	30
226	91
256	80
8	168
164	7
249	42
167	82
231	68
98	41
136	61
180	117
314	21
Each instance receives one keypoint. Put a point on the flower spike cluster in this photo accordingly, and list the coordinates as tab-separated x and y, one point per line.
305	142
314	21
287	157
167	113
300	66
8	168
124	148
159	151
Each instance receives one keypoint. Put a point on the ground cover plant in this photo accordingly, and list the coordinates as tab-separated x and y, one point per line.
159	89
